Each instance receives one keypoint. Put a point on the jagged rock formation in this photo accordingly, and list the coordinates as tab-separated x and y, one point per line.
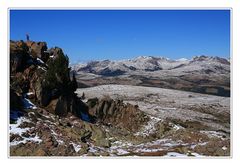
45	75
118	114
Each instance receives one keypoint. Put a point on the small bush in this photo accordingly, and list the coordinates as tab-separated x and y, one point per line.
57	75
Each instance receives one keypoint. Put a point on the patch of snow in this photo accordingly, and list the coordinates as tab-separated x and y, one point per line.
177	127
197	155
15	129
85	100
149	150
60	142
171	144
198	144
175	154
76	146
28	104
55	136
121	152
39	67
40	61
149	128
212	134
35	139
119	143
29	93
92	149
157	145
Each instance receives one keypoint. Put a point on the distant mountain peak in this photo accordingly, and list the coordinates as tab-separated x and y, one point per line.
150	64
182	59
210	58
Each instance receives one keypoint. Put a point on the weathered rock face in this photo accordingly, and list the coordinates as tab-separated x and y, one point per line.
62	106
54	52
38	50
18	56
15	100
44	73
116	113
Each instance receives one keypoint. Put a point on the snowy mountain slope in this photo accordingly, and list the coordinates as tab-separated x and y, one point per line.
202	74
143	63
149	63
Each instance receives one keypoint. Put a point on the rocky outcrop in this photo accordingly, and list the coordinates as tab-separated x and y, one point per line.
45	74
116	113
38	50
18	56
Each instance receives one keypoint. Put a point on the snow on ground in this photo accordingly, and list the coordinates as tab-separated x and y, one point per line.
149	128
16	130
35	139
163	142
175	154
198	144
122	148
122	152
76	146
161	104
55	135
177	127
40	61
44	69
212	134
165	103
92	149
29	93
28	104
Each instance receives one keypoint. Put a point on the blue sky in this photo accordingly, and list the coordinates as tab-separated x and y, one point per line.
86	35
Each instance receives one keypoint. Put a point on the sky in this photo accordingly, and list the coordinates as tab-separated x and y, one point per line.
87	35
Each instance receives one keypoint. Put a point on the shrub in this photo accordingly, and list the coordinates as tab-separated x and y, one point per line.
57	75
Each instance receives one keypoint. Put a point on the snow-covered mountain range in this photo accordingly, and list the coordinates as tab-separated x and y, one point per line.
150	63
205	74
